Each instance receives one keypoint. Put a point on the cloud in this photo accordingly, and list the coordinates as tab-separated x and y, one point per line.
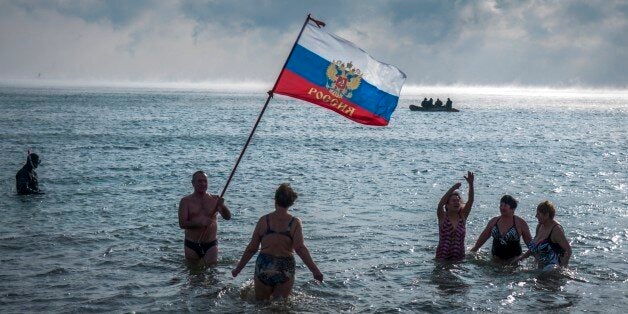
433	42
116	12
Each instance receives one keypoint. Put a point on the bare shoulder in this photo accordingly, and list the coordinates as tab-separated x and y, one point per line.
185	200
521	220
296	226
261	222
206	197
558	233
210	198
491	222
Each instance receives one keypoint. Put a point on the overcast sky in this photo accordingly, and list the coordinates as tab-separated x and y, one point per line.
527	43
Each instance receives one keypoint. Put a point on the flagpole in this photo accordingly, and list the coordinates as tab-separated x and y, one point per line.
270	95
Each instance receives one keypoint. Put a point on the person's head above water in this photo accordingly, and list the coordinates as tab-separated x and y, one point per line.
510	201
199	181
507	205
33	160
455	201
285	195
546	209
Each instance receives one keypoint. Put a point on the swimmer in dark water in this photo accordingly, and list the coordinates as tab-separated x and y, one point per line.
26	178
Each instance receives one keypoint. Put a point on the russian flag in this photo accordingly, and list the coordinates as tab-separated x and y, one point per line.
333	73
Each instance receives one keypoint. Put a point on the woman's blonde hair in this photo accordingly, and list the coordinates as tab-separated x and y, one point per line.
546	207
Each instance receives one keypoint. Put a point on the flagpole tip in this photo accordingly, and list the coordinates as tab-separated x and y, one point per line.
318	23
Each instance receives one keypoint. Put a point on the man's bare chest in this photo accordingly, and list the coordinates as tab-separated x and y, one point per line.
206	209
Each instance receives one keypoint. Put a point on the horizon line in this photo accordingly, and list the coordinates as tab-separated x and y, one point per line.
256	86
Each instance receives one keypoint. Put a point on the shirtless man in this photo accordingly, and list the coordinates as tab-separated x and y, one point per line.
197	216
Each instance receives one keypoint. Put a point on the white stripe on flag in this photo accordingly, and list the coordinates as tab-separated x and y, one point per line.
385	77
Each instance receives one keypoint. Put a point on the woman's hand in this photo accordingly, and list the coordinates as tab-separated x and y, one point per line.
561	261
318	275
469	177
236	271
451	190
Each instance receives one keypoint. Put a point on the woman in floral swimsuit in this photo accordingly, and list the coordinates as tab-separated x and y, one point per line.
549	246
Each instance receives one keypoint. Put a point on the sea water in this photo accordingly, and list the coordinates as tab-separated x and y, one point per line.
116	161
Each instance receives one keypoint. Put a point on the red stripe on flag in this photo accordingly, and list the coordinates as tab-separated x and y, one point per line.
293	85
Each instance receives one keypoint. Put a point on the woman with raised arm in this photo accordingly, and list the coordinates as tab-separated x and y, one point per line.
549	246
279	234
452	215
507	230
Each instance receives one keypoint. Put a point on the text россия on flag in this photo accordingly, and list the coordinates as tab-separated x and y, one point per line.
333	73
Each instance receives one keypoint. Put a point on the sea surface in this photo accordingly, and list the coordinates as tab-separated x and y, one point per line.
116	161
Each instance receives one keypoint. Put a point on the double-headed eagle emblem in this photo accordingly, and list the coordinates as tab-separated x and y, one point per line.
342	79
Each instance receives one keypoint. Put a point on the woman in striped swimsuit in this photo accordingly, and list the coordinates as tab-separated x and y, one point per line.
452	218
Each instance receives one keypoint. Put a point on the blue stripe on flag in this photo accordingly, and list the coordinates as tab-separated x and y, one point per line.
313	68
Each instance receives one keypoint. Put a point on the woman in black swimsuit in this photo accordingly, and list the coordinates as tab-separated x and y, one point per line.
279	234
507	230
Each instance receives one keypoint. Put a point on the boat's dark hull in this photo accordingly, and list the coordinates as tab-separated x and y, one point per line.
432	109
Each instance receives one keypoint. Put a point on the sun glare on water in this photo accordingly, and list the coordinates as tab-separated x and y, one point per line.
416	90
